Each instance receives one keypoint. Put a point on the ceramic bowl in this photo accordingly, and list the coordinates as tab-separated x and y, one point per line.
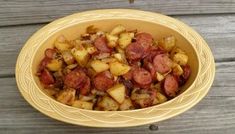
200	59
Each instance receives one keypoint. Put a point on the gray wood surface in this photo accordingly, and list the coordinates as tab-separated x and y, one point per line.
14	12
213	19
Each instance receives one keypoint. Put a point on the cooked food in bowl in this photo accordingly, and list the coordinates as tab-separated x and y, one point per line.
114	70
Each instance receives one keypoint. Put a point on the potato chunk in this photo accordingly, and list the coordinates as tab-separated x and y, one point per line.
117	92
83	104
177	70
54	65
62	44
108	104
159	76
180	58
125	39
112	40
99	66
117	30
80	55
161	98
167	43
67	96
68	57
126	105
117	68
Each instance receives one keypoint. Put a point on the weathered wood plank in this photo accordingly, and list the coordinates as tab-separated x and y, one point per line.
16	12
214	114
218	31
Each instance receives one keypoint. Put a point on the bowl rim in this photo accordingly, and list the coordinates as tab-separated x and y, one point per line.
107	11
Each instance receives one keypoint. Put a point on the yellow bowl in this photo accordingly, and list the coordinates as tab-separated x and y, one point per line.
200	59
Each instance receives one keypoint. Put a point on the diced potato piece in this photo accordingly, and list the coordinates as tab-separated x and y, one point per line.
81	56
51	92
120	57
71	66
109	60
159	76
176	50
117	68
161	98
167	43
62	44
67	96
120	50
91	49
180	58
126	105
83	104
99	66
112	40
117	30
125	39
68	57
108	104
177	70
137	96
117	92
54	65
91	29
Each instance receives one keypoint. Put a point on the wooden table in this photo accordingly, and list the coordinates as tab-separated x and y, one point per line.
213	19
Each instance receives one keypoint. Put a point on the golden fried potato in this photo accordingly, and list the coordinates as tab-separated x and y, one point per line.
67	96
112	40
83	104
167	43
180	58
117	68
177	70
62	44
99	66
126	105
161	98
54	65
68	57
80	55
108	104
118	29
125	39
117	92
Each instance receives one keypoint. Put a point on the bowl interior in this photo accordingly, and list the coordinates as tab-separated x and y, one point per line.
157	31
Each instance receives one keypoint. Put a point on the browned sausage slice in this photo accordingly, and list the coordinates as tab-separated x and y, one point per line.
142	77
170	85
43	64
46	77
50	53
162	63
85	89
103	81
149	66
187	72
101	44
134	51
75	79
144	38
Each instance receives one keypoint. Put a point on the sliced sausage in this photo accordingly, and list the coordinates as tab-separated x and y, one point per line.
75	79
103	81
85	89
50	53
171	85
43	64
101	44
144	38
46	77
162	63
187	72
149	66
146	41
134	51
142	77
129	74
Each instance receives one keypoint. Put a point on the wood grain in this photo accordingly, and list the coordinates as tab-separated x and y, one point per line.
214	114
14	12
218	31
